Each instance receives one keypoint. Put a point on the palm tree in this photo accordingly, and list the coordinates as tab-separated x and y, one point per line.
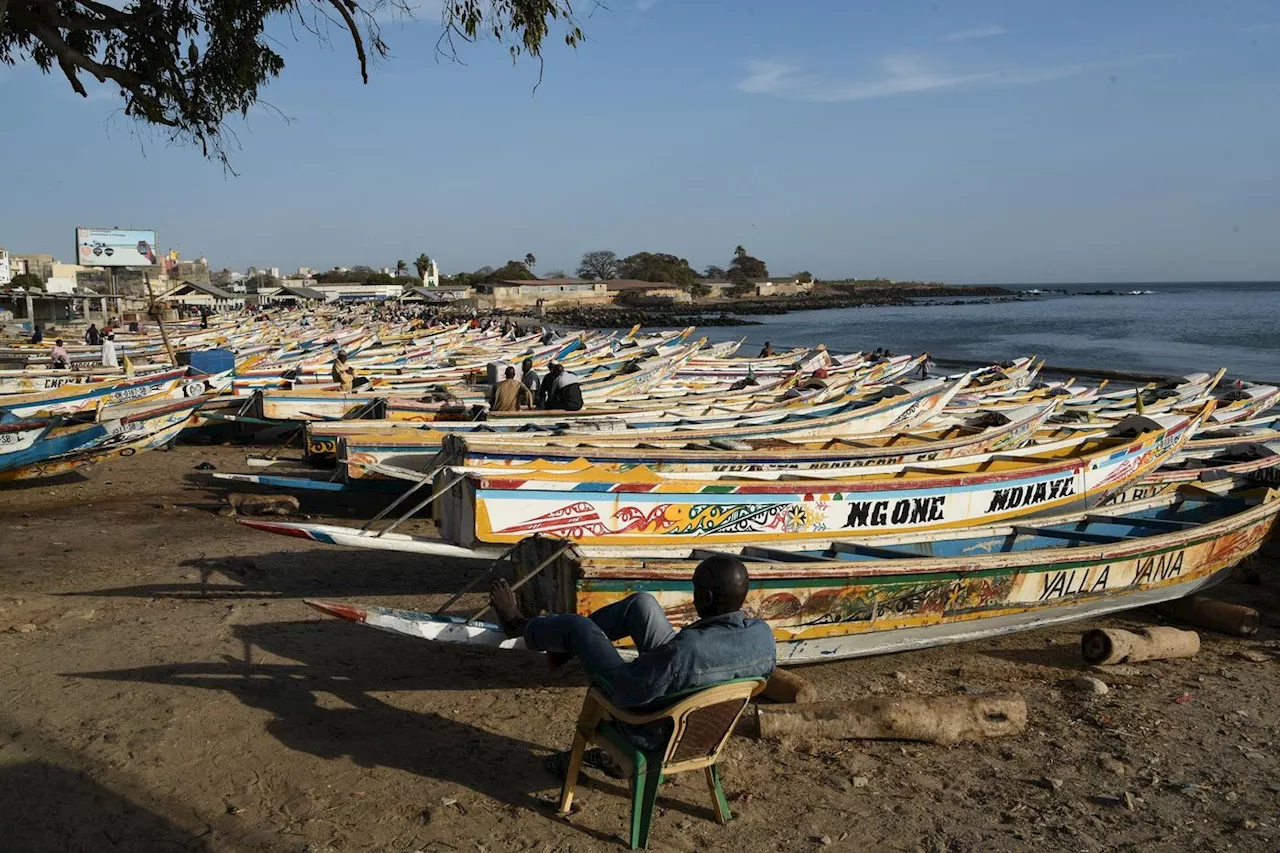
422	264
401	267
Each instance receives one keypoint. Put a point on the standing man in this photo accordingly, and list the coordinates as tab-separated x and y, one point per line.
343	373
109	351
509	394
93	337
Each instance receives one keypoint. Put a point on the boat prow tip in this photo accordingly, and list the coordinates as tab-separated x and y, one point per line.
346	612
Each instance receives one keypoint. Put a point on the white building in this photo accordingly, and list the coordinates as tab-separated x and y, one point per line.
6	274
431	278
274	272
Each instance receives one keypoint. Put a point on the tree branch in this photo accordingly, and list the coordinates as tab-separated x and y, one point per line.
341	6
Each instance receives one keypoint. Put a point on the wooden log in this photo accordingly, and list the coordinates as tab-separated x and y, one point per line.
1107	646
1234	619
932	719
789	687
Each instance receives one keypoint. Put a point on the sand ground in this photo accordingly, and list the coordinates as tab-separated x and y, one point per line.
165	688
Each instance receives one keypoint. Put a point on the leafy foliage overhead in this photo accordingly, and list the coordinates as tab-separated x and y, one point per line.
187	65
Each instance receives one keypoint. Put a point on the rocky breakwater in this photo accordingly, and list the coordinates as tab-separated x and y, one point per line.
729	312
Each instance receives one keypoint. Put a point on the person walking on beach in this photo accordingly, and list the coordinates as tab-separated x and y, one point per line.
58	355
724	643
343	373
109	351
92	336
508	394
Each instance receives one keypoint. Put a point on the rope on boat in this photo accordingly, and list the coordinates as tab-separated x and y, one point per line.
457	478
426	478
528	577
478	579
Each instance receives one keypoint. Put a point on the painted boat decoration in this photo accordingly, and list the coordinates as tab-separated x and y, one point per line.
120	431
71	399
853	600
640	509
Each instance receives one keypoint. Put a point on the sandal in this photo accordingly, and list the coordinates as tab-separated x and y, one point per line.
557	763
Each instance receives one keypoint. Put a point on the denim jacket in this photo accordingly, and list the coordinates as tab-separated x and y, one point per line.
719	648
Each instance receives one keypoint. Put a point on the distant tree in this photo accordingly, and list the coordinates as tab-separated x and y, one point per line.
714	273
804	276
483	271
651	266
700	290
422	264
555	274
510	271
746	267
601	265
379	278
530	261
401	267
27	281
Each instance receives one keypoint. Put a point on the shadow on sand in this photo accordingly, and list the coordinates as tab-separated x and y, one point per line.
296	574
351	664
45	807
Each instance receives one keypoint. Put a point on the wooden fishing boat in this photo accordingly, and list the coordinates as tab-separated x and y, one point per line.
70	399
122	430
642	509
638	513
853	600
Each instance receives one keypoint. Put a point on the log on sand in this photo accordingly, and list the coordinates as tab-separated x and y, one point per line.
1107	646
1234	619
935	719
789	687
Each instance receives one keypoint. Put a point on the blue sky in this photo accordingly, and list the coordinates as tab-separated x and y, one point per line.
953	141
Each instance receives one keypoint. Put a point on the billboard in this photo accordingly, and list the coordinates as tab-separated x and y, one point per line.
115	247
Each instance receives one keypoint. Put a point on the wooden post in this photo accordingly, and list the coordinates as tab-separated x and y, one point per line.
155	312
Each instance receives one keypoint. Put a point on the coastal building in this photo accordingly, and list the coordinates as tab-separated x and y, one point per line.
203	294
527	292
431	275
293	294
782	286
438	293
6	274
647	293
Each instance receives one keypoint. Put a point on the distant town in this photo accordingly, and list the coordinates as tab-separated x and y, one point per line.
131	276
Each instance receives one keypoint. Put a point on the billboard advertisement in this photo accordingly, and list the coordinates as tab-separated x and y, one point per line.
115	247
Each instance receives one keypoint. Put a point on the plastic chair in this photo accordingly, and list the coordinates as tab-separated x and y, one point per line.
702	719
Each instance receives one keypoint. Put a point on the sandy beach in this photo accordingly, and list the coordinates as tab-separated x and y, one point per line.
167	689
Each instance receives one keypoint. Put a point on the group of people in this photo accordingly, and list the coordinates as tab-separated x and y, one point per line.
559	390
104	339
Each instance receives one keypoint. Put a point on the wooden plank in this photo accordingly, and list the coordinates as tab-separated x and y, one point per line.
783	556
1070	535
1154	523
705	553
871	551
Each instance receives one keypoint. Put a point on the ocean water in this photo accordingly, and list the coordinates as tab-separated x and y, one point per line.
1178	328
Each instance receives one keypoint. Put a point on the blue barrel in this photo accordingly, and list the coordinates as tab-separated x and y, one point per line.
208	360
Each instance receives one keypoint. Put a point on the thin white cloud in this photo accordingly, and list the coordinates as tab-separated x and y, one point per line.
975	33
904	74
645	5
1257	28
768	77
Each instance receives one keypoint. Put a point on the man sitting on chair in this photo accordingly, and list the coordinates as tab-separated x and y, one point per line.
722	645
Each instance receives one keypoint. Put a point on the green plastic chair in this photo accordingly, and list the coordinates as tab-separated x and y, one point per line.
702	720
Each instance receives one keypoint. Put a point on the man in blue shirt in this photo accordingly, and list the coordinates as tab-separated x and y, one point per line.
722	645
